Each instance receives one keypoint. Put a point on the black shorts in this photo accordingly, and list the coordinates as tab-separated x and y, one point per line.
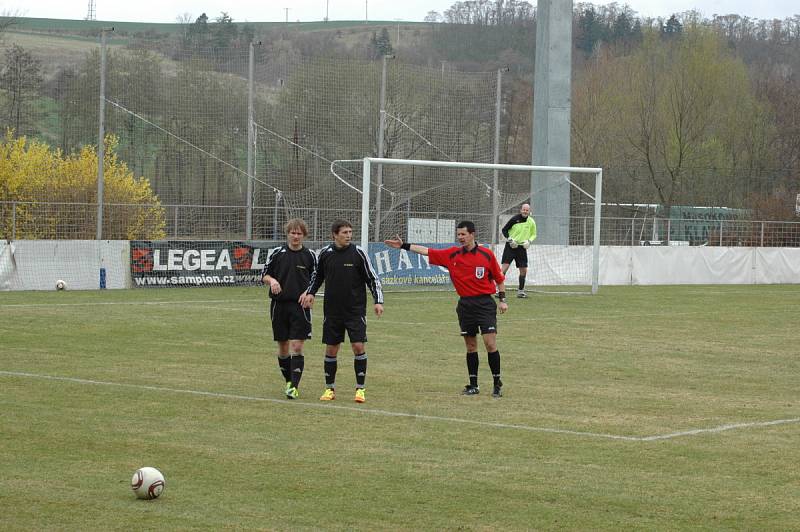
289	320
477	312
520	255
333	328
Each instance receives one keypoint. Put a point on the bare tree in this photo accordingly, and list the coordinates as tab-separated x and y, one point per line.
7	19
20	79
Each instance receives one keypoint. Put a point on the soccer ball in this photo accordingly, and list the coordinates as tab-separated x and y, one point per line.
61	285
147	483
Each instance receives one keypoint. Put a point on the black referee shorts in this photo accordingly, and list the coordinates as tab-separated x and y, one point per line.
477	313
520	255
289	320
333	328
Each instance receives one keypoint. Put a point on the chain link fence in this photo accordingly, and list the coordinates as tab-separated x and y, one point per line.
234	141
55	221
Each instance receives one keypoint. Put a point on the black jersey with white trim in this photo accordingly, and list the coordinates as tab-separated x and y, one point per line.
293	269
346	272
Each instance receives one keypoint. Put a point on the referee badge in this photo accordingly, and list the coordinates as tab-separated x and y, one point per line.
480	271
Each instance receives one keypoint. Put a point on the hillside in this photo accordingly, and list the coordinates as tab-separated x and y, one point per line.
93	27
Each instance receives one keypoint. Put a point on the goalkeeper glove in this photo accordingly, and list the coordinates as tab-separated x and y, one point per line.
526	244
513	243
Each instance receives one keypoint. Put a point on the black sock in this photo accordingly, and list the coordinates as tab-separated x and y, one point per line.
297	363
360	365
283	363
330	372
522	282
472	368
494	365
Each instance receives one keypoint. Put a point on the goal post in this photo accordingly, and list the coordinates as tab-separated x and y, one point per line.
595	201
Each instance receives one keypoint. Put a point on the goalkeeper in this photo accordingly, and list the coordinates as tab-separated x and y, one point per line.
520	232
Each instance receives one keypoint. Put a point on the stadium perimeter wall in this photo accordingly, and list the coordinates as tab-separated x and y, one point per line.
38	264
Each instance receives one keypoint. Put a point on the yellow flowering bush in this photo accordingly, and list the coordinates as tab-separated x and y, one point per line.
46	194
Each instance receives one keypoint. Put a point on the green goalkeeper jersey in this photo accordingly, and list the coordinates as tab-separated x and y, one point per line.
520	228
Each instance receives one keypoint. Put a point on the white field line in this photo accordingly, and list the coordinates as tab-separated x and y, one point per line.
424	417
721	428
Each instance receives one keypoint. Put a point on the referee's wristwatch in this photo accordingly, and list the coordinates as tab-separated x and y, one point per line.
501	296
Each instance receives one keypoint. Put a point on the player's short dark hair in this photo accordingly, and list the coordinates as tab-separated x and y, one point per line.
466	224
338	224
296	223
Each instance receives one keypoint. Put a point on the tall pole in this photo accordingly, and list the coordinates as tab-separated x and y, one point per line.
365	177
250	144
327	6
101	134
552	107
495	178
381	128
598	210
287	14
366	11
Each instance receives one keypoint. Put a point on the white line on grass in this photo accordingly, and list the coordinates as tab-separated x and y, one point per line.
657	437
721	428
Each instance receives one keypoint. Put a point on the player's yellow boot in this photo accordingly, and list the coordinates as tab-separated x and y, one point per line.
328	395
360	398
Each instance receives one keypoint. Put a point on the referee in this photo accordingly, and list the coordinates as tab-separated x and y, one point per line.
346	271
475	275
287	272
520	232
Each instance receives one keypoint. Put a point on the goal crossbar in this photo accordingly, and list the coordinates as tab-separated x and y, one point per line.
598	172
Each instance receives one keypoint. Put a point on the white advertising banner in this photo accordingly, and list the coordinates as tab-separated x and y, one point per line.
776	265
38	264
691	265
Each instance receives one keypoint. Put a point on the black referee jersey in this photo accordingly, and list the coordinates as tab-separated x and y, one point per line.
345	272
293	269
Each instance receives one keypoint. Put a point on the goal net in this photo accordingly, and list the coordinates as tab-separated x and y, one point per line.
423	201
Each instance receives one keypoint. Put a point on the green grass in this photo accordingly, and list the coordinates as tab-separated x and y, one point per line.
630	361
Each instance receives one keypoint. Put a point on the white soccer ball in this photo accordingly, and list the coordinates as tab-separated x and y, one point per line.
61	285
513	243
147	483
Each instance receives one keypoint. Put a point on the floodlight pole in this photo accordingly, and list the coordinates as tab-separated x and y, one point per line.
250	144
495	177
381	128
365	206
101	146
598	204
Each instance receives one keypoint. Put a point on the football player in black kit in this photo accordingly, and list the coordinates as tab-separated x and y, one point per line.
288	272
346	270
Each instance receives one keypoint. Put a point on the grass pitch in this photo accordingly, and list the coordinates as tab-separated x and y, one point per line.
640	407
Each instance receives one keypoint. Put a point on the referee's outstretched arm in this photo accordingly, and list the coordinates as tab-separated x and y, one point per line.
397	243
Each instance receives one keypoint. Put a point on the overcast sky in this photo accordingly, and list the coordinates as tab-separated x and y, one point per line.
312	10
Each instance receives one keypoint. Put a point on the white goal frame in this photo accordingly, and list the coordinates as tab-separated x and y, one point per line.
598	189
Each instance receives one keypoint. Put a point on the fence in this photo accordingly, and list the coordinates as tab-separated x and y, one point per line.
77	221
216	129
